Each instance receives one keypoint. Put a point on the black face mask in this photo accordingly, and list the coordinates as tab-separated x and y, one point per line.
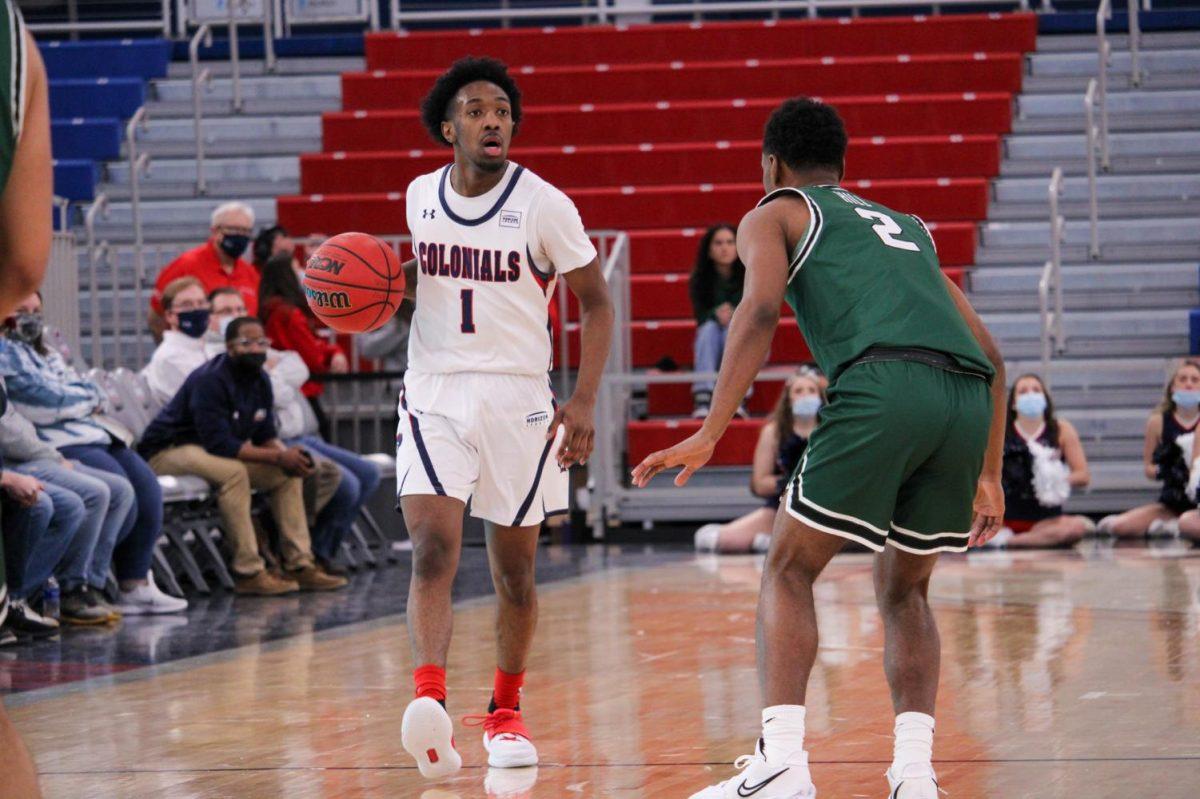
248	362
28	328
234	245
194	323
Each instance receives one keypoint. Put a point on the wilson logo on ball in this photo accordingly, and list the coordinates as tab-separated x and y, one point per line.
322	263
327	299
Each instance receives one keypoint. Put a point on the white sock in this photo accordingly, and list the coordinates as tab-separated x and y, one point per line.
782	732
913	752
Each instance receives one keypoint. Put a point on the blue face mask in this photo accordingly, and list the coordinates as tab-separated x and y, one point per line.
1031	405
1188	400
806	406
194	323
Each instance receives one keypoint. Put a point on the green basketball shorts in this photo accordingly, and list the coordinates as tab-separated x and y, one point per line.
896	457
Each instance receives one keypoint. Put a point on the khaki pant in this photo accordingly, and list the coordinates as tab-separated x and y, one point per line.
233	480
320	486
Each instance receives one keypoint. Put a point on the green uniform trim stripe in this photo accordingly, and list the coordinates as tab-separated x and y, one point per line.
923	544
16	33
816	222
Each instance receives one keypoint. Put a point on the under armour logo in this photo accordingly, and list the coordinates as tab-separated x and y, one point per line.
429	213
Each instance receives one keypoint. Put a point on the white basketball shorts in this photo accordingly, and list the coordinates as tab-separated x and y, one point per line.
481	437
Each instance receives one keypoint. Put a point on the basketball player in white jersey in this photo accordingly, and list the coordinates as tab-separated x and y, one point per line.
478	419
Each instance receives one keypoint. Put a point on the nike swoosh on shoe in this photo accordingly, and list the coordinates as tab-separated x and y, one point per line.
746	790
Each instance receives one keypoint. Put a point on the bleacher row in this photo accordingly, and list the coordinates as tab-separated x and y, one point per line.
668	141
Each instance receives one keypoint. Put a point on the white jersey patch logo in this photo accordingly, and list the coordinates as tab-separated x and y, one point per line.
510	219
537	419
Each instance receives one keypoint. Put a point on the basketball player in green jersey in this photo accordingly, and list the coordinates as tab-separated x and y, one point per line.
905	459
26	186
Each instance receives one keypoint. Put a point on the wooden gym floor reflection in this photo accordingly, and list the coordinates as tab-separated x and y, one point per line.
1064	676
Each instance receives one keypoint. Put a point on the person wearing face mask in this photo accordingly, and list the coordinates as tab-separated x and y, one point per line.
781	445
186	312
67	410
1043	460
275	240
215	263
220	426
1176	416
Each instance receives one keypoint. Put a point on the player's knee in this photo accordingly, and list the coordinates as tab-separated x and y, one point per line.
517	589
786	560
433	557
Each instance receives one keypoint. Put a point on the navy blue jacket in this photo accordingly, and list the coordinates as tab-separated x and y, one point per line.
217	408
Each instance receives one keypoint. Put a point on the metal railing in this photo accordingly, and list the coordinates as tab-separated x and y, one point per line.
1089	105
605	11
74	26
1103	57
95	253
139	164
200	77
1052	333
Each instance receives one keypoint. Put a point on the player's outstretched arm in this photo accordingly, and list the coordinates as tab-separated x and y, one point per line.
577	414
989	497
762	246
26	205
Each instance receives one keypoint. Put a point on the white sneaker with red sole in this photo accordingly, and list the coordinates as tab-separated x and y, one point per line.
427	733
505	738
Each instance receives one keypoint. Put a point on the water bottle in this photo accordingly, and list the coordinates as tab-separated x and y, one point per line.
50	599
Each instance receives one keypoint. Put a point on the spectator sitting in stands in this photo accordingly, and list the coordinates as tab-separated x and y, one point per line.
333	500
37	533
781	444
66	409
298	427
186	313
220	426
1163	460
292	326
107	501
274	240
715	287
1043	461
215	263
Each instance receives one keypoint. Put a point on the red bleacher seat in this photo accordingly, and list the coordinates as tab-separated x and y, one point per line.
717	40
674	249
628	207
648	164
616	83
582	124
672	338
735	448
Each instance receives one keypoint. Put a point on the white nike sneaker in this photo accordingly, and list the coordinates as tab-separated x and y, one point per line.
427	733
506	738
149	600
510	783
706	538
763	780
918	782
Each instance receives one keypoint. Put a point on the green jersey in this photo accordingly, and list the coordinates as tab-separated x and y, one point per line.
13	63
865	276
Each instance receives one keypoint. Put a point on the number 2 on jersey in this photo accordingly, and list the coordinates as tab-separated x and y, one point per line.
887	229
468	311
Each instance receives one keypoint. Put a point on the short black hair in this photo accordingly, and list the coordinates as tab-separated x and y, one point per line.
435	108
806	134
235	327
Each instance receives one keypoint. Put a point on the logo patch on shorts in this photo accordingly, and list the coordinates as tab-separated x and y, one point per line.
510	219
537	419
260	414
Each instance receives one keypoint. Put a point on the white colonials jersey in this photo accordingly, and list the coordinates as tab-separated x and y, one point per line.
487	271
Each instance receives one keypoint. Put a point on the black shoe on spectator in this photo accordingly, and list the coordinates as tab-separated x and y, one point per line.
331	567
78	608
25	622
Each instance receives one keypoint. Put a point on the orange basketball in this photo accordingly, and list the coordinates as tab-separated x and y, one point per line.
354	282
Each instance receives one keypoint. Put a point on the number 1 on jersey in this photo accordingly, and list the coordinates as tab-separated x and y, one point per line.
468	311
887	229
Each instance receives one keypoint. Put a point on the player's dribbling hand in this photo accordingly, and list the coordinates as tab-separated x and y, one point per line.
691	453
989	511
576	417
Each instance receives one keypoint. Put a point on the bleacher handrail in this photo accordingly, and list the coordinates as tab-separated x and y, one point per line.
138	165
1103	57
1089	105
603	10
99	208
200	77
1052	333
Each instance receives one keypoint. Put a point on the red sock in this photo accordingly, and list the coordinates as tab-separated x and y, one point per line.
507	690
430	681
